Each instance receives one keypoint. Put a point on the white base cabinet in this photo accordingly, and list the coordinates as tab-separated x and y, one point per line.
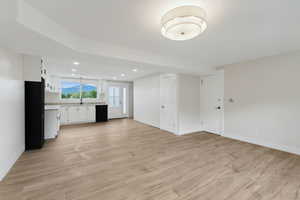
91	113
52	121
78	114
64	115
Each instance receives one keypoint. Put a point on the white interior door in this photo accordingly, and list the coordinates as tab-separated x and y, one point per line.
168	103
212	101
118	101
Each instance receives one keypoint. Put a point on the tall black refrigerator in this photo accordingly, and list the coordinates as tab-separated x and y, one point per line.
34	114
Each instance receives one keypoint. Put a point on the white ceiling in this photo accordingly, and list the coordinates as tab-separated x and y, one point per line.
113	36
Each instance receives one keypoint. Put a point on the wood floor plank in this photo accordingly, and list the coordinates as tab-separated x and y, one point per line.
127	160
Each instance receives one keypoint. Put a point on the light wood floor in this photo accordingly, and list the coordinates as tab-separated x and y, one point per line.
126	160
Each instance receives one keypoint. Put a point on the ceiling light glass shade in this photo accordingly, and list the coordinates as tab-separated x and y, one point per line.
183	23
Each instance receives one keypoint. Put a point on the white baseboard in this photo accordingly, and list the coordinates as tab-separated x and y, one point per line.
213	132
280	147
191	132
147	123
5	167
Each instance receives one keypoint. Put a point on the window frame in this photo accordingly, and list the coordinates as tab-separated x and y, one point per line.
93	84
81	83
61	89
114	97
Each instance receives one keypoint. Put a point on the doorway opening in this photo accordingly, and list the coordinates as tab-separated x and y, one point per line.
118	99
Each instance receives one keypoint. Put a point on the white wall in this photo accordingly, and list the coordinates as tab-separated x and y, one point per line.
147	100
12	136
266	107
188	104
32	68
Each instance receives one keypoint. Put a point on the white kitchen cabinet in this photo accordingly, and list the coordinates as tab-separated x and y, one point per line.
76	114
64	115
73	114
56	84
52	121
44	72
82	114
52	84
91	113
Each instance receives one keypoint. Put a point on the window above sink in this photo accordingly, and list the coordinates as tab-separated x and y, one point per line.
79	90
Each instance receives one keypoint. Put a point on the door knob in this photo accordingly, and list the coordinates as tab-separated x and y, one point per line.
219	108
162	107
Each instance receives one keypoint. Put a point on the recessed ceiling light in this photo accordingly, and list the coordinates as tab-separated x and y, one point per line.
134	70
115	78
76	63
122	75
74	70
183	23
73	74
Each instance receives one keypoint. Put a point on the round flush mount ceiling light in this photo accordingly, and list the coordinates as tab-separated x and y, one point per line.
183	23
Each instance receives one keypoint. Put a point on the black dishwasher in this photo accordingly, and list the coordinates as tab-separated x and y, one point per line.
101	113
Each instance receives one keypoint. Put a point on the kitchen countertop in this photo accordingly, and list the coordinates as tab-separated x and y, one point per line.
75	104
52	107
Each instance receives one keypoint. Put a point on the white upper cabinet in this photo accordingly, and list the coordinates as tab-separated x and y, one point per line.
44	72
52	84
